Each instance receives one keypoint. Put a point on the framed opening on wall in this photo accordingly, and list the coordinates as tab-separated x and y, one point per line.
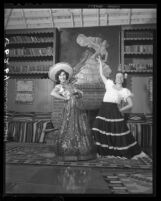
24	91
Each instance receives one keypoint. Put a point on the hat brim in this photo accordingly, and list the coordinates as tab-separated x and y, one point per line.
60	66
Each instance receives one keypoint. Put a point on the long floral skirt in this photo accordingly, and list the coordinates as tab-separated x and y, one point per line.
75	140
111	133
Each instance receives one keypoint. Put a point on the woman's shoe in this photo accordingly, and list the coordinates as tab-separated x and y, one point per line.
141	155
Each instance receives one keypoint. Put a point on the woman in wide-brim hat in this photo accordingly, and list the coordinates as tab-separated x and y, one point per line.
74	141
60	66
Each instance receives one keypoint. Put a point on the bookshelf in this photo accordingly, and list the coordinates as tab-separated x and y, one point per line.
137	56
137	43
31	52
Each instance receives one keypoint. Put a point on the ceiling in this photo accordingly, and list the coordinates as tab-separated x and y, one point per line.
26	18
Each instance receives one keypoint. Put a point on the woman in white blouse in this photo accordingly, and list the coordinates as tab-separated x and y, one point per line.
111	133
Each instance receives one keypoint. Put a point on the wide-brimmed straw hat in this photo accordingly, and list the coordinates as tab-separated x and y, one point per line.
60	66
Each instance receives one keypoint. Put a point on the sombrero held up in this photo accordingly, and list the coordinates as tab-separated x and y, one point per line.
60	66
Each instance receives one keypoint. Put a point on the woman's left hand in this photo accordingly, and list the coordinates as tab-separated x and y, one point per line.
121	111
81	93
78	94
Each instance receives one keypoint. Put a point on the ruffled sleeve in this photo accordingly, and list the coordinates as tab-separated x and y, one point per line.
51	93
109	83
126	93
56	88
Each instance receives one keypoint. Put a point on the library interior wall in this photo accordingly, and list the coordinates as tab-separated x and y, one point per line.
43	102
141	102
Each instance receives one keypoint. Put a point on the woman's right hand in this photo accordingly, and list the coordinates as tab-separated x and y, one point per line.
99	59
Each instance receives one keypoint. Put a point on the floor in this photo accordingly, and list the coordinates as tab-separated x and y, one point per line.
32	179
33	169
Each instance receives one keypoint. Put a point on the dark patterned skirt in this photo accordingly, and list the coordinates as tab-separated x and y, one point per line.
111	133
75	141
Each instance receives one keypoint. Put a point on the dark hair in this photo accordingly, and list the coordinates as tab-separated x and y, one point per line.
125	79
57	81
124	84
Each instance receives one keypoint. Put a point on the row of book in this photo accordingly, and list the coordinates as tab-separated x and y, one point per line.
27	126
138	34
12	115
34	131
48	51
150	88
30	127
138	49
142	133
27	116
28	69
27	131
29	39
138	67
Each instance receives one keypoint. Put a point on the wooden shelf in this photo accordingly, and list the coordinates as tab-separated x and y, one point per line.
31	58
135	39
139	27
28	75
140	71
30	43
30	31
28	56
137	53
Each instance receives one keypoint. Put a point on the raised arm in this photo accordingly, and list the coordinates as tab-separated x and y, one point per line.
104	79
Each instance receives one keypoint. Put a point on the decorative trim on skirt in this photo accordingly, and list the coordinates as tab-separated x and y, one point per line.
111	133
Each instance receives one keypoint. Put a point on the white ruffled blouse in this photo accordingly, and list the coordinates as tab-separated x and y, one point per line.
113	95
